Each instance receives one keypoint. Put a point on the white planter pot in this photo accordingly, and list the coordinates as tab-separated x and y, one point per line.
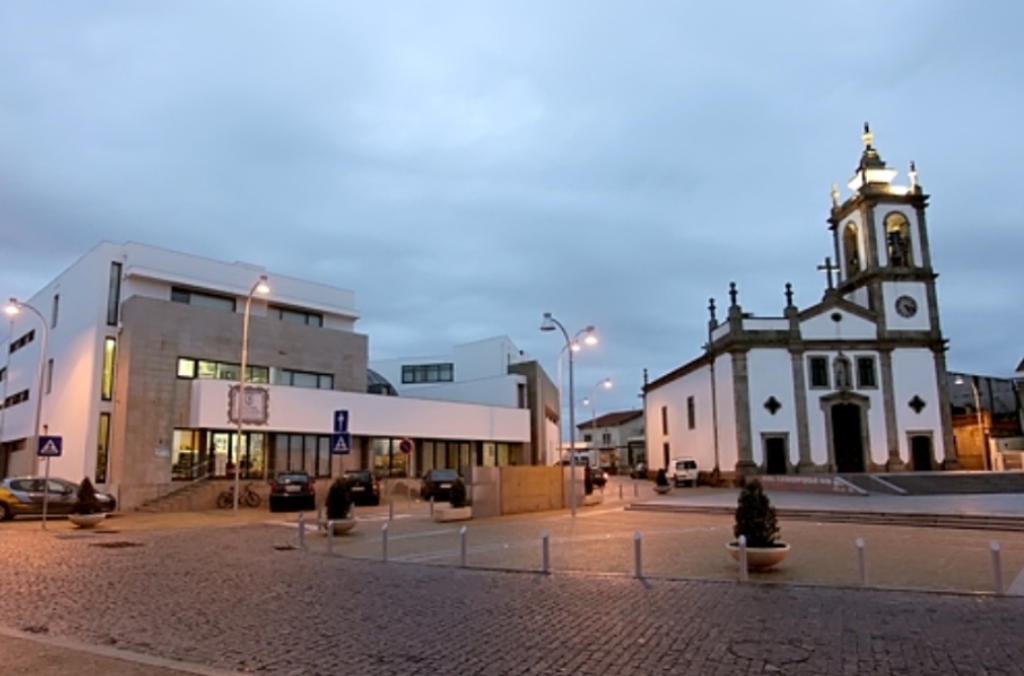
339	526
661	490
86	520
453	513
592	499
760	558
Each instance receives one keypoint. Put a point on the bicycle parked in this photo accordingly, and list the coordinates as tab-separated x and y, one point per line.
249	497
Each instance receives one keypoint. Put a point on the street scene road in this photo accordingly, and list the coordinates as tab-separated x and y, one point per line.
215	592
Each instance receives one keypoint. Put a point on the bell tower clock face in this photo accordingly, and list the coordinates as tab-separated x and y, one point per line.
906	306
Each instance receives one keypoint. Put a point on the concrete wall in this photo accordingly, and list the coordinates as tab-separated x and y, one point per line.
531	489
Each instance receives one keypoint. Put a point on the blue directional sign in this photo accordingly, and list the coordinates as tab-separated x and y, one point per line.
50	447
341	420
341	443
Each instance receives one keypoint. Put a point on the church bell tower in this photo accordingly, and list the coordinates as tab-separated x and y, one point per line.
881	245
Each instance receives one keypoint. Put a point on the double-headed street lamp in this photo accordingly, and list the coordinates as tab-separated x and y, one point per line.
261	288
15	307
959	380
550	324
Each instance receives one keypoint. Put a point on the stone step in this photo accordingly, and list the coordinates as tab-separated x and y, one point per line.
961	521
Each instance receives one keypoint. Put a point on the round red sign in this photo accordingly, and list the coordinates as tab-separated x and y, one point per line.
405	446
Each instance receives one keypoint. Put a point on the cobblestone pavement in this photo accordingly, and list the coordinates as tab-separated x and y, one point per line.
230	598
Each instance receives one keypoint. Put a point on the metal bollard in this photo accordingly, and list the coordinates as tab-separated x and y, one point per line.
319	515
620	491
861	563
742	541
462	534
431	506
997	568
384	542
545	539
391	509
330	538
302	530
638	560
636	490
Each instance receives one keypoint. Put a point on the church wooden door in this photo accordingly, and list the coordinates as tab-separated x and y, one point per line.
921	453
847	441
775	455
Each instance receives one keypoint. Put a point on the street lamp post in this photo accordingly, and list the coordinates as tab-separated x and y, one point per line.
959	380
14	307
259	287
606	383
550	324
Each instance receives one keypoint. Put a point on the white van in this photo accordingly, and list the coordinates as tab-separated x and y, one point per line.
683	471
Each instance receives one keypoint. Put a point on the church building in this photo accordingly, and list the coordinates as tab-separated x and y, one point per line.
854	383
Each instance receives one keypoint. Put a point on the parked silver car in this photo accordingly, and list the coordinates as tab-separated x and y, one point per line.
24	495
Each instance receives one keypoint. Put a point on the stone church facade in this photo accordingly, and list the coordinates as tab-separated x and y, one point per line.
854	383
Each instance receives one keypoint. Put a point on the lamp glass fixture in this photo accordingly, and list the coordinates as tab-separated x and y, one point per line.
263	287
12	307
547	324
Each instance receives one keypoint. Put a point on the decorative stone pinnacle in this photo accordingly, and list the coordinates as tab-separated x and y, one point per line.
733	293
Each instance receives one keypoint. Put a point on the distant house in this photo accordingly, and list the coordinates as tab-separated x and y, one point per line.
616	439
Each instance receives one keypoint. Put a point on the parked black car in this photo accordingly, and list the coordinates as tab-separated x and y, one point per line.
364	487
293	490
24	495
437	484
598	476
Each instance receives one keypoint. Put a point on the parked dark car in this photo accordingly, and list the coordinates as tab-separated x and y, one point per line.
364	487
292	490
437	484
24	495
598	476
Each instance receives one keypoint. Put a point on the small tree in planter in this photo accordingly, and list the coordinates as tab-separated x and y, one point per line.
757	523
87	502
661	484
339	500
87	512
458	493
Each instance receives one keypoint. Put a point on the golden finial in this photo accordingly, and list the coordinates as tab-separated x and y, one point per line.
867	136
835	195
913	175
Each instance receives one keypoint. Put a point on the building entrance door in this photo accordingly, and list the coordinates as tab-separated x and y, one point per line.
775	455
921	453
847	440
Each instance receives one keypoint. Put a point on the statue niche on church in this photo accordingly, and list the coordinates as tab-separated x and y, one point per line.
897	235
841	371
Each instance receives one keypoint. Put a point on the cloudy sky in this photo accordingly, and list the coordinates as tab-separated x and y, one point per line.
465	167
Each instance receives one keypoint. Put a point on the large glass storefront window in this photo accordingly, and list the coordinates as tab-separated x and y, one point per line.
388	460
309	453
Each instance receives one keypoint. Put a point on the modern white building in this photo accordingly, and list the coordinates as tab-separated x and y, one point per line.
144	345
854	383
491	372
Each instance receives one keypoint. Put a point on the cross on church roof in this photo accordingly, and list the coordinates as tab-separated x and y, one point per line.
828	268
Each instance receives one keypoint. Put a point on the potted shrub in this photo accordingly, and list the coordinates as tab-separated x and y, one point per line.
756	521
340	512
86	513
661	485
460	509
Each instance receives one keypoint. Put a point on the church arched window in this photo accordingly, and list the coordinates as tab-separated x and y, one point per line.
851	251
897	240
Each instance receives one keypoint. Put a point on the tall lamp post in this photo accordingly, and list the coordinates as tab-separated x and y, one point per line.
550	324
261	288
606	383
15	307
959	380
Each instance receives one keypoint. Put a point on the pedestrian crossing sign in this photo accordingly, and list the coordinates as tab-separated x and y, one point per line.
341	443
50	447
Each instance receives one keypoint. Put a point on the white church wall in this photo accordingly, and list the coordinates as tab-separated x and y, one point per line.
771	375
672	398
914	374
766	324
896	322
822	327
